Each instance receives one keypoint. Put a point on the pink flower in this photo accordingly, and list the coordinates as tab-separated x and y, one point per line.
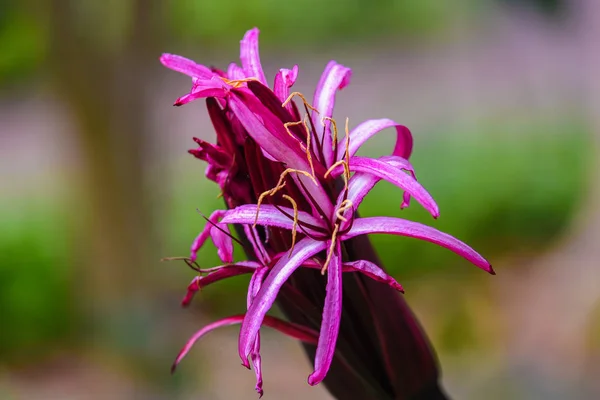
292	185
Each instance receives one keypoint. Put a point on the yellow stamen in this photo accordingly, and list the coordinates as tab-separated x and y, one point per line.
331	249
306	103
306	148
295	225
280	185
346	205
335	131
236	83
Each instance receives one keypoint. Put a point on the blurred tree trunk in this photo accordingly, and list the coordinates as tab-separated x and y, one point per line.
99	65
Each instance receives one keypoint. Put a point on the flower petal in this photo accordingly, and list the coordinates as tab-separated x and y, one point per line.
235	72
269	215
332	315
206	232
222	240
268	132
186	66
398	226
367	129
335	77
373	271
284	80
263	301
295	331
396	176
250	57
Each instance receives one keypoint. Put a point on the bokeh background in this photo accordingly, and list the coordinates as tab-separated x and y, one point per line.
96	187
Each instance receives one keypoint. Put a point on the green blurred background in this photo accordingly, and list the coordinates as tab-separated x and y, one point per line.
97	186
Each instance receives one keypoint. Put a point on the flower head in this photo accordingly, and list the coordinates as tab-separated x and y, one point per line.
292	183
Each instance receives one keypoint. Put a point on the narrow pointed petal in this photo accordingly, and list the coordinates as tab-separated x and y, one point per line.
263	301
276	142
335	77
330	324
249	56
201	238
292	330
200	92
284	80
373	271
369	128
269	215
398	177
222	240
402	227
186	66
257	366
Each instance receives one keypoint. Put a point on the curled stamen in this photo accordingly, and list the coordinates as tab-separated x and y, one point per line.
295	224
335	131
306	103
302	146
236	83
280	185
346	205
331	249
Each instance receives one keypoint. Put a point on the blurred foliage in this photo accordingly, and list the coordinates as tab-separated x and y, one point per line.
23	44
35	280
311	22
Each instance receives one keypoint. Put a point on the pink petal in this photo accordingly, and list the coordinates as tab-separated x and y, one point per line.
284	80
186	66
250	57
223	242
398	226
294	331
235	72
201	238
269	215
263	301
373	271
369	128
396	176
330	324
335	77
268	133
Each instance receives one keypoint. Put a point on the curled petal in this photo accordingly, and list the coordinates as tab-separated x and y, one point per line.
398	226
257	365
304	249
335	77
369	128
186	66
269	215
201	238
294	331
223	242
396	176
332	314
284	80
373	271
250	57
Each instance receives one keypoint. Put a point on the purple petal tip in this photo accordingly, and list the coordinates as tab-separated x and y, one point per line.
491	270
173	367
